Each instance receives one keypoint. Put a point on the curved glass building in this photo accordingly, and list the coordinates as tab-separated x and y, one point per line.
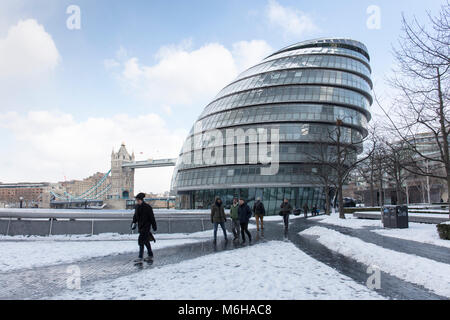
298	97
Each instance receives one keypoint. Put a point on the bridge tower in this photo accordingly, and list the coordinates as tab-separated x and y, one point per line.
122	179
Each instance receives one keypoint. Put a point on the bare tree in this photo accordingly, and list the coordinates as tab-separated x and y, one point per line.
372	167
397	158
339	156
422	84
321	155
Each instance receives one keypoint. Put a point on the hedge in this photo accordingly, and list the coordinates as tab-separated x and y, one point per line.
444	231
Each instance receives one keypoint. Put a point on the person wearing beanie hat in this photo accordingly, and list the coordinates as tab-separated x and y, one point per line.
259	211
218	217
145	219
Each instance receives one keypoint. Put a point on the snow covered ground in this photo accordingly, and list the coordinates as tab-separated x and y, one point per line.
420	232
26	254
278	218
431	274
350	221
22	252
273	270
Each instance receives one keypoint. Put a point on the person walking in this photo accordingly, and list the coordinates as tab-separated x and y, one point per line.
144	218
305	210
260	211
218	217
234	215
244	214
286	210
314	210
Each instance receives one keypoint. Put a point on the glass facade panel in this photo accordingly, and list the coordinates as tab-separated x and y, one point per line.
294	76
330	95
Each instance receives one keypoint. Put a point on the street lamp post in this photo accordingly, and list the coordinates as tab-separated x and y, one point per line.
21	202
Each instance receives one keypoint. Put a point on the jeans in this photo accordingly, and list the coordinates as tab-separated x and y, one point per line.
144	240
259	218
235	227
286	221
216	226
244	230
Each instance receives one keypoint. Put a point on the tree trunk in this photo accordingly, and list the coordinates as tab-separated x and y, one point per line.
448	195
341	202
327	200
372	191
399	194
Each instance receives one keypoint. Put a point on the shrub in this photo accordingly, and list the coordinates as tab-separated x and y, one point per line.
444	231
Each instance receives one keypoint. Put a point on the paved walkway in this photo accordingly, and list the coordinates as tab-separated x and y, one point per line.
50	280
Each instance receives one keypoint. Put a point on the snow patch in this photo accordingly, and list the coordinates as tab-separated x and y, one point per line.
420	232
349	222
431	274
273	270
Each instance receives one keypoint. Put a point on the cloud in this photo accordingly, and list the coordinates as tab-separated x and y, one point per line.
292	21
182	75
248	53
46	146
27	51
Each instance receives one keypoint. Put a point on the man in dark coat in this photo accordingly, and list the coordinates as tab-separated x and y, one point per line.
218	217
286	210
260	211
244	214
144	218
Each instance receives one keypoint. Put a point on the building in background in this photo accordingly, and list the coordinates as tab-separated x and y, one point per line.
302	91
415	189
26	195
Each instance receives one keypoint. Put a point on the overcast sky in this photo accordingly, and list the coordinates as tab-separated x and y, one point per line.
141	72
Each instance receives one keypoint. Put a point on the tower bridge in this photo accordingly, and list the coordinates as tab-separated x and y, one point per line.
117	183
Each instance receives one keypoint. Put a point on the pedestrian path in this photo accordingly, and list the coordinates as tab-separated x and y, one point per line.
50	280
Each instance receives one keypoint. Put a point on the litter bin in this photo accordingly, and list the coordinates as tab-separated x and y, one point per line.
395	217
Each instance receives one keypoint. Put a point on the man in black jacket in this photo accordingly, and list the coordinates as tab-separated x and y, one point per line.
145	219
286	210
244	214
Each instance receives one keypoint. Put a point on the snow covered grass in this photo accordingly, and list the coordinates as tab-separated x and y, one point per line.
431	274
22	252
350	221
273	270
279	218
420	232
103	237
26	254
